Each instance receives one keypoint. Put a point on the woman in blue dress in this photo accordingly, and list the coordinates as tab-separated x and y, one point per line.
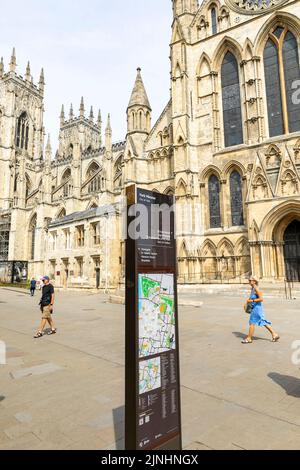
257	317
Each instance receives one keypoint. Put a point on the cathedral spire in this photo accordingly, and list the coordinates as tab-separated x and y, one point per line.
92	114
62	115
71	113
81	109
13	61
108	126
1	68
28	72
42	81
139	95
99	120
108	136
48	147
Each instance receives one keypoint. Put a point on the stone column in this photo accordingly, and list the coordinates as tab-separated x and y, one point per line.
280	260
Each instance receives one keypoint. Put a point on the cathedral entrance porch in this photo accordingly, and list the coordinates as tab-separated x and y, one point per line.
292	251
280	257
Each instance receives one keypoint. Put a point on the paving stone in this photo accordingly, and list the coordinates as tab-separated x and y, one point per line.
36	370
23	417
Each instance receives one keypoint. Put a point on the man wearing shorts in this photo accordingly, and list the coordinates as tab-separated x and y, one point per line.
46	303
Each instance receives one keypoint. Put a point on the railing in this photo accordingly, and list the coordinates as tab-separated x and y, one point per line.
221	277
291	289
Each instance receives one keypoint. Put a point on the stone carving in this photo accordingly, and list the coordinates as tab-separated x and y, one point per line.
254	7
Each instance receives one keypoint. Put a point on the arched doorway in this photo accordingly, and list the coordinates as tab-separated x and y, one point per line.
292	251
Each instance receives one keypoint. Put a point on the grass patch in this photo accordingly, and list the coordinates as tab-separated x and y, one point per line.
16	286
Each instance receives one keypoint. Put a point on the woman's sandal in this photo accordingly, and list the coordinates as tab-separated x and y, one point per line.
38	335
52	332
246	341
276	339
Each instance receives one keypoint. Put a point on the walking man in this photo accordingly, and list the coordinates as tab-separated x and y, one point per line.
32	287
46	303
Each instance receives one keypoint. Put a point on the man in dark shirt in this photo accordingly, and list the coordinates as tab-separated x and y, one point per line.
32	287
46	303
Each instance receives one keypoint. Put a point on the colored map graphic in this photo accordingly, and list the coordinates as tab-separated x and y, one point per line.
150	375
156	314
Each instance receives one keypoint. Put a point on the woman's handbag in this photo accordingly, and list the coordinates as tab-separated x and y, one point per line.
248	308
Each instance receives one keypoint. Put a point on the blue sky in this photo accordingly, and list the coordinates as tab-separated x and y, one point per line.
91	49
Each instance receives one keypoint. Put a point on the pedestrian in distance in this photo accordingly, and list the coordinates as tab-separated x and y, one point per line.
46	305
32	287
255	308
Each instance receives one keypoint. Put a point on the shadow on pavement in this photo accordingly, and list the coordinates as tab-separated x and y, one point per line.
1	398
239	335
119	426
290	384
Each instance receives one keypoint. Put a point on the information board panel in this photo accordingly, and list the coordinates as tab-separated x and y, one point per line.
153	411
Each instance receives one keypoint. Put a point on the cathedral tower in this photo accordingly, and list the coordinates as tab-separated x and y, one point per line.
21	131
78	133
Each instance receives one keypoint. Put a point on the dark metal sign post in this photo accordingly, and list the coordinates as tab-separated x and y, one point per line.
153	408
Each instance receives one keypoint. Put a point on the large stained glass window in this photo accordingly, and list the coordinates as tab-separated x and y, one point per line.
282	72
272	78
236	193
231	94
214	190
292	75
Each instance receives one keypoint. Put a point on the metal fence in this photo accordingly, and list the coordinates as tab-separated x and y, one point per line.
221	277
290	289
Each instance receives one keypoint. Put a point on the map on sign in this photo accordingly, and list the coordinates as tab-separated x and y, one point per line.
156	314
150	375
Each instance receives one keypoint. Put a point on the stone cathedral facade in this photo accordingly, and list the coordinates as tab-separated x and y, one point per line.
227	145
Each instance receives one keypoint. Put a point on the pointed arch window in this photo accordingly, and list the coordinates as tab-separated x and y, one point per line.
95	185
22	138
236	196
214	21
66	182
214	190
71	150
231	95
281	64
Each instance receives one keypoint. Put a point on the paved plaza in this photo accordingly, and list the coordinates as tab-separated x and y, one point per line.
67	391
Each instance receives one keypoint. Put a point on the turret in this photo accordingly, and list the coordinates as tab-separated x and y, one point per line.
139	109
91	115
71	113
62	115
13	61
108	136
42	82
1	68
48	152
185	7
28	73
81	109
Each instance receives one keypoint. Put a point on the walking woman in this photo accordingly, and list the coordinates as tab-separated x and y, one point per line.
257	318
